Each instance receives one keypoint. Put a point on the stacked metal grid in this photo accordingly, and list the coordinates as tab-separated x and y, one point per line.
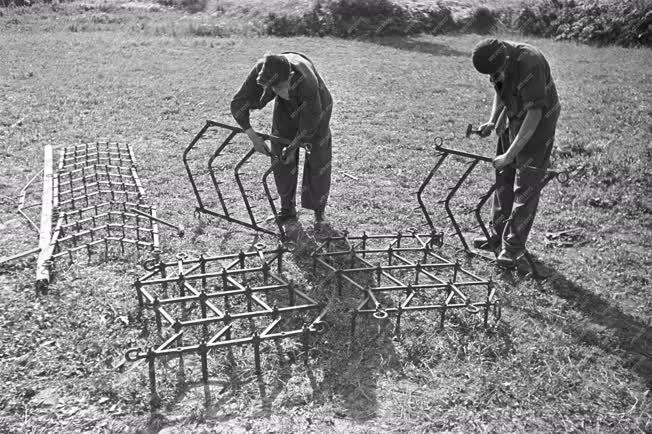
98	204
206	304
402	273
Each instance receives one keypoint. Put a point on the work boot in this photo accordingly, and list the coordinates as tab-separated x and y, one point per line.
507	259
286	215
319	216
483	244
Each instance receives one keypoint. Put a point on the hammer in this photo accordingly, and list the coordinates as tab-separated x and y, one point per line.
470	130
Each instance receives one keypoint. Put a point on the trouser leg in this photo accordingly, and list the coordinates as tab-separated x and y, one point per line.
317	174
527	192
527	185
503	197
285	175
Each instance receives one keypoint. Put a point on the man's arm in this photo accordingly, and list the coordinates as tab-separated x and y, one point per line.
524	135
249	97
496	110
532	91
310	111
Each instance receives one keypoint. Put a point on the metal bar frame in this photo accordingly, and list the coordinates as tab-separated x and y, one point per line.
225	211
475	159
98	199
348	259
21	201
183	296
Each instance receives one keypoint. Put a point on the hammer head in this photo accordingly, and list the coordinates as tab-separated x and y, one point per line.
469	130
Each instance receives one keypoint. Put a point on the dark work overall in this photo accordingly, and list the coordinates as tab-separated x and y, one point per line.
303	118
317	165
518	189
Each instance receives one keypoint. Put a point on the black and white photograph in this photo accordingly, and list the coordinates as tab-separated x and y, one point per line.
325	216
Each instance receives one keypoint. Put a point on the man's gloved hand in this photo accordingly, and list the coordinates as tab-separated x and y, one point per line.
257	141
486	129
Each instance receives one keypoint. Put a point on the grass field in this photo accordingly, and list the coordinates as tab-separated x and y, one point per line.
573	354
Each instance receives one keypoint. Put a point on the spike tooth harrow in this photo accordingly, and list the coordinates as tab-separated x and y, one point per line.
227	210
214	303
408	276
102	225
206	304
232	209
475	159
99	208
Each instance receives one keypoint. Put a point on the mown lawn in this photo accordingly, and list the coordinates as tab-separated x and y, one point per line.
571	354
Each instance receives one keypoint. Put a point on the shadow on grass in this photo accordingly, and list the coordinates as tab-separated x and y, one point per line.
419	46
632	336
348	365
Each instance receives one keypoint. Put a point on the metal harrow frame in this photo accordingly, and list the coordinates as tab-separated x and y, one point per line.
226	211
93	173
474	160
402	273
22	209
98	205
195	304
111	222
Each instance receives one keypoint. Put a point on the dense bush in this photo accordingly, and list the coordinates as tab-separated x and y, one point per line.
621	22
481	20
286	25
627	23
192	6
19	3
353	18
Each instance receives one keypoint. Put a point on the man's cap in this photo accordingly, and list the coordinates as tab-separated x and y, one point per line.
276	68
489	55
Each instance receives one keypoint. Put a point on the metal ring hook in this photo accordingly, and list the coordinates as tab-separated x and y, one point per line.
380	314
439	142
150	264
133	354
563	177
472	308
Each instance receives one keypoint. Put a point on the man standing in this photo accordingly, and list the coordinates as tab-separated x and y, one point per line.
525	93
302	112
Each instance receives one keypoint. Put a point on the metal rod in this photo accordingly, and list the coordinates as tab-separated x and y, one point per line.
179	228
5	259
